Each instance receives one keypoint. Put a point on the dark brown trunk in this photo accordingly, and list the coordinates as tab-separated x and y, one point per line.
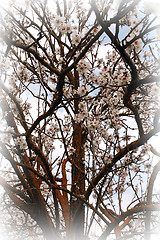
44	221
78	182
78	172
48	229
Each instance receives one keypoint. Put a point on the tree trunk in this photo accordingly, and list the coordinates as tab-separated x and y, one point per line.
49	232
78	182
41	216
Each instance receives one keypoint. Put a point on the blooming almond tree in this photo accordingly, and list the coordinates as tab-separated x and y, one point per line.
79	107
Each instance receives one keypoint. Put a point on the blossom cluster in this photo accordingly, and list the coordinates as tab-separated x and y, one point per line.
63	27
81	91
21	143
49	136
83	66
67	28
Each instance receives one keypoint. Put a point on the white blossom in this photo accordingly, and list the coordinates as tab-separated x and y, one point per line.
59	21
83	66
21	142
82	91
65	28
138	44
76	38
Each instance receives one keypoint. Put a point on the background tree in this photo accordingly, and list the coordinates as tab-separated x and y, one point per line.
79	103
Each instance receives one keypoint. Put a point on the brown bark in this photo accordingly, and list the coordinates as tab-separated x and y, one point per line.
44	221
78	173
78	182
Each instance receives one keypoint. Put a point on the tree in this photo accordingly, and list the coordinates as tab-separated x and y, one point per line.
79	103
